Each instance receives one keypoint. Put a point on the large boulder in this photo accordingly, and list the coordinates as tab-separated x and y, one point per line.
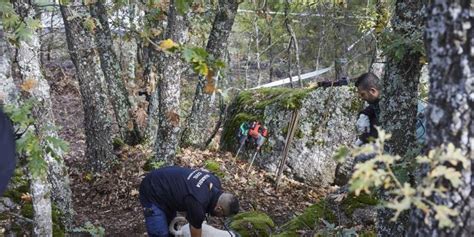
326	121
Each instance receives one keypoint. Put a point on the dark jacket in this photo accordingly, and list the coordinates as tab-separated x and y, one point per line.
372	112
7	151
181	189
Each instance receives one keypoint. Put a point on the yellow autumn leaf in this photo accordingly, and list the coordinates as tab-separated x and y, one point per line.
28	85
167	44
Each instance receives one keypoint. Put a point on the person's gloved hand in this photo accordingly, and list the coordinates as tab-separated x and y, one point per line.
363	124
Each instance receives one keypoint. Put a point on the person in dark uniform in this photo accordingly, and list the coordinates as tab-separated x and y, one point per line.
368	87
165	191
7	151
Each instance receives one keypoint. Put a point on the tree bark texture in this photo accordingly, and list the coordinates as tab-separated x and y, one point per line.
40	188
399	101
151	75
378	64
449	38
28	58
340	44
169	89
200	123
41	198
400	82
7	86
118	94
91	82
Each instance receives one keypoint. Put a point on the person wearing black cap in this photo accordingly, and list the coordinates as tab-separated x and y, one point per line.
7	151
165	191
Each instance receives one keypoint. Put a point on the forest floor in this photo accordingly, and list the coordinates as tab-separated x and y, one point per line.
111	200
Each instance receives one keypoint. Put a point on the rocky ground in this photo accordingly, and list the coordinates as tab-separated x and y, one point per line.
111	200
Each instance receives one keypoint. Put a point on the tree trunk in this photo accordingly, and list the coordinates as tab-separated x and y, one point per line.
7	86
400	83
91	82
450	115
28	60
200	121
151	75
377	65
169	88
40	188
118	94
399	101
340	48
40	191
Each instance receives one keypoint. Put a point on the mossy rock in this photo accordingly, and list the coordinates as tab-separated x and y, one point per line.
353	202
250	106
252	224
214	167
308	220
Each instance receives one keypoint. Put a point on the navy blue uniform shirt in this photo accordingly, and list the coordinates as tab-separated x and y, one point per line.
181	189
7	151
373	112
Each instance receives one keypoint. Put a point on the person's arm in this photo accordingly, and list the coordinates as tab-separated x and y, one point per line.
195	232
195	215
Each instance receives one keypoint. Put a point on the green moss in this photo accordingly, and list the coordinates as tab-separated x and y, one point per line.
309	219
214	167
285	98
250	106
117	143
252	223
59	229
152	164
369	233
27	210
353	202
299	134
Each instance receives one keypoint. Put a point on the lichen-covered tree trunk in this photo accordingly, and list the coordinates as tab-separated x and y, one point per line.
97	122
8	93
41	198
200	123
151	75
399	99
169	89
28	59
449	43
400	82
378	64
340	44
40	188
118	94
